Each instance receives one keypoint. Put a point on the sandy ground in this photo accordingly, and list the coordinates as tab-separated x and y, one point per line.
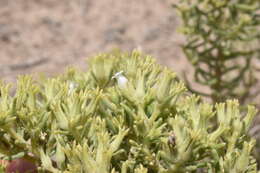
49	35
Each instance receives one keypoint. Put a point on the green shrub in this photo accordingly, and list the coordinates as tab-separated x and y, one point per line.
222	46
139	120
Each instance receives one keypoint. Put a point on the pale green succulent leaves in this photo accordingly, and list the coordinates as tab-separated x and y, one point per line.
150	125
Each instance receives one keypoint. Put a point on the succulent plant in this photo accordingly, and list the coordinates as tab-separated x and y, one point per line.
140	120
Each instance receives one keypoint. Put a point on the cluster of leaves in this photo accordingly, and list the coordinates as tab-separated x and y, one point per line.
88	122
221	45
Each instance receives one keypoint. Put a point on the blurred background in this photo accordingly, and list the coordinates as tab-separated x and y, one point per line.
49	35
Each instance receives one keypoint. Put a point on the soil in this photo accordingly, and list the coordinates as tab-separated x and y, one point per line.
49	35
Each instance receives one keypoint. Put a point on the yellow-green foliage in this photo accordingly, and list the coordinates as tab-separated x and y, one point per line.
140	120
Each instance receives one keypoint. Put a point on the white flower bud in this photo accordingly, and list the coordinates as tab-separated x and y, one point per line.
72	86
121	79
